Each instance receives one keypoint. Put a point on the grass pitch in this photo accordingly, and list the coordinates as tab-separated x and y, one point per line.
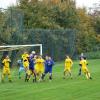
78	88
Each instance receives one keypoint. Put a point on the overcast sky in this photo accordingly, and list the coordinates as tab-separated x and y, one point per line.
80	3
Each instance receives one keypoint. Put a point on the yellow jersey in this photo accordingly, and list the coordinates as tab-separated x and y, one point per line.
6	63
68	62
25	57
83	63
39	65
40	62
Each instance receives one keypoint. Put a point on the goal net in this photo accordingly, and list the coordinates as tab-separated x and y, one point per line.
21	48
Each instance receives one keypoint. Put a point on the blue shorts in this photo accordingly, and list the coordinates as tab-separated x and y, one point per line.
31	68
48	70
21	69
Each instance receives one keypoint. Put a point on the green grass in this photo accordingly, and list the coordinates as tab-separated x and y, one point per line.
77	88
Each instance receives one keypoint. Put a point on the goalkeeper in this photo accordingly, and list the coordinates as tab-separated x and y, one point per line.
21	68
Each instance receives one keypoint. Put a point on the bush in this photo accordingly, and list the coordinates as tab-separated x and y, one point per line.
93	55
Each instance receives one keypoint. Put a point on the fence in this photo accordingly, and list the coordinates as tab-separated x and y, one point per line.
56	43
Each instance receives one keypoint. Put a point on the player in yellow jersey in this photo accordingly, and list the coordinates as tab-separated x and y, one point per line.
83	64
68	66
6	68
39	66
25	59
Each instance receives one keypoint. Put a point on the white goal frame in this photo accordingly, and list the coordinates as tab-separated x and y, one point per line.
15	47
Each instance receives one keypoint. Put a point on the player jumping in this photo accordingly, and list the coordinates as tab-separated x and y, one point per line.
39	67
31	66
25	58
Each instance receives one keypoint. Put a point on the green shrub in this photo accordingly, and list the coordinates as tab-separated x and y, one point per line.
93	55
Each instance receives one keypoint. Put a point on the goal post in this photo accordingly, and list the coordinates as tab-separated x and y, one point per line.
16	47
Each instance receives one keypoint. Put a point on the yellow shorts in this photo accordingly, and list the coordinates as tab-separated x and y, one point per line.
85	70
6	71
26	64
30	72
67	69
39	70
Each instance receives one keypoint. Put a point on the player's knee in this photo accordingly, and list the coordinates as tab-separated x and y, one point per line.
9	74
3	74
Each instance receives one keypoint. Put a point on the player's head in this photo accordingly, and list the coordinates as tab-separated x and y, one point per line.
40	56
67	57
7	57
50	58
25	52
19	61
82	58
35	57
46	57
33	52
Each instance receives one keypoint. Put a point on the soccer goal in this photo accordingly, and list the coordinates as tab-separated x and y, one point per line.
16	47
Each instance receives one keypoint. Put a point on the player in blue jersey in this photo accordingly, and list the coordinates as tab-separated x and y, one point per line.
21	68
31	66
48	67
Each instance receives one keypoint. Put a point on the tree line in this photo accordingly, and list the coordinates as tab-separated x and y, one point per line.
50	15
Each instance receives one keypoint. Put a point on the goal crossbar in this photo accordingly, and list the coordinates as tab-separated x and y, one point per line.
15	47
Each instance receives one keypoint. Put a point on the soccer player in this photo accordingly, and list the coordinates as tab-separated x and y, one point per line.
68	66
39	66
84	64
48	67
31	66
21	68
25	58
6	68
81	56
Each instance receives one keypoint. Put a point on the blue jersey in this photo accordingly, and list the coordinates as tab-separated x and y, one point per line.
31	62
49	63
48	66
20	63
